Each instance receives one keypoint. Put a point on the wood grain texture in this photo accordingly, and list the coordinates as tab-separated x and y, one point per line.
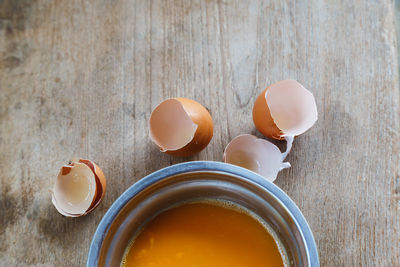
80	78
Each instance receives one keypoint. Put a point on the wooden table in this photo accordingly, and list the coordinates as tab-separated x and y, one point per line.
80	78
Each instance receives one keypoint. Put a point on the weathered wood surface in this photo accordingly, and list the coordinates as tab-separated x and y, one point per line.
80	78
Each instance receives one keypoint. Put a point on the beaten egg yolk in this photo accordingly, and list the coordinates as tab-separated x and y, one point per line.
203	235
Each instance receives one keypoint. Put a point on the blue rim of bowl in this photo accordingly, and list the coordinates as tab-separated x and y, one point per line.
180	168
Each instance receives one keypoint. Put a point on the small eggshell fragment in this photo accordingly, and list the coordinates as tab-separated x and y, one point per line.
79	188
284	109
180	127
255	154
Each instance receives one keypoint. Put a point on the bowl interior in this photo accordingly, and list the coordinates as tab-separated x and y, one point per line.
161	194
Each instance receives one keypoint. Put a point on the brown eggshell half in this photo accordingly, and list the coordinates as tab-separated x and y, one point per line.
75	189
100	187
183	119
284	109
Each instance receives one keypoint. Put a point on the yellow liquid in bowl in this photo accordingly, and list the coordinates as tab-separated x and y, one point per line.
204	235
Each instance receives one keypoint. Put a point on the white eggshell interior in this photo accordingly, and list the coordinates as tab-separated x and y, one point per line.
171	128
74	192
292	107
56	205
255	154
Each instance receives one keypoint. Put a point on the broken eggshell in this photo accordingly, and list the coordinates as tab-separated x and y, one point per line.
180	127
256	154
79	188
284	109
